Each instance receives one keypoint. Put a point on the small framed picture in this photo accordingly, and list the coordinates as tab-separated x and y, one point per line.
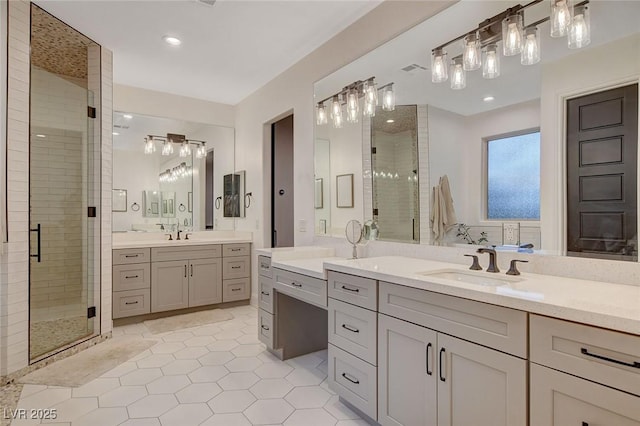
319	195
344	191
118	200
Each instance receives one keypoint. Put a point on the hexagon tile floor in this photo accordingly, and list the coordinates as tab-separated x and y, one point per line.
217	374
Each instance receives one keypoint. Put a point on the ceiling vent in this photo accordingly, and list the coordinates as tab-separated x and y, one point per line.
414	68
207	2
120	126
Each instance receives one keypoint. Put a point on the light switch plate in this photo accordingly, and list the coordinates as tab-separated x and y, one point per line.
302	225
510	233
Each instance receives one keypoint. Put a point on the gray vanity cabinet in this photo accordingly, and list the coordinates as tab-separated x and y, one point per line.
425	376
169	286
205	276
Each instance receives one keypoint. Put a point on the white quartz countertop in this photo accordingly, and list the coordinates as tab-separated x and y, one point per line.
312	267
613	306
291	253
178	243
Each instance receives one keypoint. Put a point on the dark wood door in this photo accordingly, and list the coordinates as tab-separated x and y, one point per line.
282	183
602	152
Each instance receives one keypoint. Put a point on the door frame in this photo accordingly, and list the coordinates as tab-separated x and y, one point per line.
561	154
267	161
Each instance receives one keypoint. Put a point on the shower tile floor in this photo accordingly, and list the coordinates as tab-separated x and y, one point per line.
215	374
46	336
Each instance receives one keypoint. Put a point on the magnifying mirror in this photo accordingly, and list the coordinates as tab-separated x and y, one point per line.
353	232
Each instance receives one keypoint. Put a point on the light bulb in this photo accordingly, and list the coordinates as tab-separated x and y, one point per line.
458	74
471	55
491	62
580	29
388	98
149	145
438	66
560	17
531	49
512	35
167	148
321	115
353	107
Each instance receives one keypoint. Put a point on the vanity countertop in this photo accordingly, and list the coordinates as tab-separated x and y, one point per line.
177	243
300	252
613	306
312	267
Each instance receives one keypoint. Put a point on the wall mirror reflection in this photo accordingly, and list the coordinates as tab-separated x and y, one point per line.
466	116
169	169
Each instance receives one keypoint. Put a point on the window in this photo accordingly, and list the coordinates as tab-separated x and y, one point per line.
513	177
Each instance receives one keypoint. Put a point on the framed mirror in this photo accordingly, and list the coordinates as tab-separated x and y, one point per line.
344	191
318	194
118	200
151	203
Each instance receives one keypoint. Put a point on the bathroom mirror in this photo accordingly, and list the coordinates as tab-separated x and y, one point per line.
162	183
323	183
460	125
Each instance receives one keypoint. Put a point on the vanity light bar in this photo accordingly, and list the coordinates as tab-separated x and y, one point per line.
350	96
169	140
508	27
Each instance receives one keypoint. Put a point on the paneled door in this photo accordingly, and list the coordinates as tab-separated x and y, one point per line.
602	151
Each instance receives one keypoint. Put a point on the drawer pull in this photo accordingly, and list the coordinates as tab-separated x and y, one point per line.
296	285
131	303
236	249
265	293
429	346
236	289
264	266
131	276
634	364
354	381
264	327
355	290
351	329
442	378
585	424
235	267
130	255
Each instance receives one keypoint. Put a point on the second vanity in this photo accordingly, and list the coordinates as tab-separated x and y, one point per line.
408	345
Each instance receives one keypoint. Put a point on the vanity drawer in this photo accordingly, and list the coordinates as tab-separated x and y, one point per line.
127	256
265	295
302	287
237	289
604	356
355	290
232	250
354	380
264	266
353	329
236	267
131	277
131	302
265	328
191	252
496	327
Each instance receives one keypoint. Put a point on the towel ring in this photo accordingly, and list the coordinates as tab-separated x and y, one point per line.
247	200
217	203
135	207
182	207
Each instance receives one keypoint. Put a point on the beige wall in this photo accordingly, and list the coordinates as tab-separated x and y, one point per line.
293	90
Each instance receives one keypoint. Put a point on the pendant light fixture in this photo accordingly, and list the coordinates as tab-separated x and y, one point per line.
185	150
531	48
458	74
370	97
336	112
321	115
388	98
561	13
471	56
350	97
353	106
167	148
149	145
201	151
167	145
508	29
580	28
439	66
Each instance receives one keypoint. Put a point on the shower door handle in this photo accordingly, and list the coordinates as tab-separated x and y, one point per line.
38	255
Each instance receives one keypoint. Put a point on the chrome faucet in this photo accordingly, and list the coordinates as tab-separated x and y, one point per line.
178	235
493	267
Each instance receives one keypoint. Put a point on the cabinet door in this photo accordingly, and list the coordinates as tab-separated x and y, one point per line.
407	373
479	386
559	399
169	286
205	282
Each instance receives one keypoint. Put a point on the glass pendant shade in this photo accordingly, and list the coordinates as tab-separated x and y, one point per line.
149	146
388	98
353	107
438	66
185	150
531	48
167	148
370	92
369	109
336	112
201	152
321	115
512	35
458	74
560	19
580	28
491	62
471	56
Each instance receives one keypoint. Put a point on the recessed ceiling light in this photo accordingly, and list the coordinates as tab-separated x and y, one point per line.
488	98
128	116
391	121
41	136
115	134
174	41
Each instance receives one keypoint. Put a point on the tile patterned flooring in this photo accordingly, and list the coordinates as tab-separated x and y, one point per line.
215	374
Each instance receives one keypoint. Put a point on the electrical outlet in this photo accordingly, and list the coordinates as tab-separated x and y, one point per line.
302	225
511	234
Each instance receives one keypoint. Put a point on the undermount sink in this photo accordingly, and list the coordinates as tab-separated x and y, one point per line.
479	278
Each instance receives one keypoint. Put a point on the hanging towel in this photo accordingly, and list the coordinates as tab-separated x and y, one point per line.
443	215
